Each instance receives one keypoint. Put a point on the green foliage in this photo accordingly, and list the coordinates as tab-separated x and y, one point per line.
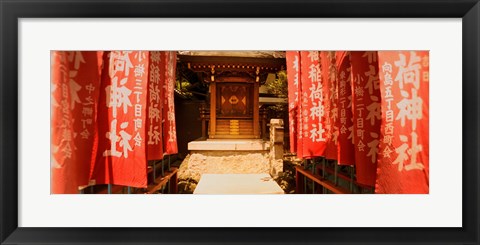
277	110
279	86
182	87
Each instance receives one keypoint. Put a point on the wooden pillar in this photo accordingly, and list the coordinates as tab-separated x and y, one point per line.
213	110
256	121
263	117
203	117
204	128
173	187
298	182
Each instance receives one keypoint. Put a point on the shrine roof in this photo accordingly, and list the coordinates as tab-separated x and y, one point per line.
251	54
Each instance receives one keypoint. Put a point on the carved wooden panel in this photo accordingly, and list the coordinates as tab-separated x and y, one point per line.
234	100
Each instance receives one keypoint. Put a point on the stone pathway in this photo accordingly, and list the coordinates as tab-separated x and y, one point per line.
220	162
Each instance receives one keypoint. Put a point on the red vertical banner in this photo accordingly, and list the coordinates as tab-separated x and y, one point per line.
121	157
366	114
404	148
75	90
329	73
299	111
326	117
293	77
346	149
312	108
169	126
156	79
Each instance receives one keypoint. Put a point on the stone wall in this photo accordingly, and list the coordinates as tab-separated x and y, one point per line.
223	162
276	147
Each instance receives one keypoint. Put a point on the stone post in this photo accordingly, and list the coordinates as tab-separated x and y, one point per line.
276	147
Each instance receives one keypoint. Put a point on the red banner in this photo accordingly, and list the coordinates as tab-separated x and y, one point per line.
346	149
329	73
156	80
312	108
293	76
169	128
75	91
299	117
404	148
121	157
366	114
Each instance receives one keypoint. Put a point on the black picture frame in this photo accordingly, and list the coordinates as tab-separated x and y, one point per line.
12	10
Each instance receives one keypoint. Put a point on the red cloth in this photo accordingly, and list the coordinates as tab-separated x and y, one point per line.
121	157
75	90
312	106
169	127
346	149
329	74
366	114
299	127
404	148
293	76
156	81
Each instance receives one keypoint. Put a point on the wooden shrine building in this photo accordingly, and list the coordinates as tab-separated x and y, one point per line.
234	79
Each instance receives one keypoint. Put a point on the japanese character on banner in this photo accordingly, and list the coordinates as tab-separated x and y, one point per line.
366	114
404	160
121	157
156	82
329	73
312	109
293	71
299	113
346	149
169	126
75	91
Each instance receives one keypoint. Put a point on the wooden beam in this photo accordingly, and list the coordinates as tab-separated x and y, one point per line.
162	181
116	189
341	176
318	179
224	60
213	109
256	122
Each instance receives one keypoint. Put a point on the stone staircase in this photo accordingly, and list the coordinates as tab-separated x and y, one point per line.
234	156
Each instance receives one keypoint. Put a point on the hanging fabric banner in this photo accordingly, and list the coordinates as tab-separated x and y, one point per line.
346	149
121	157
312	108
156	79
329	72
404	147
299	111
169	127
75	91
293	77
366	114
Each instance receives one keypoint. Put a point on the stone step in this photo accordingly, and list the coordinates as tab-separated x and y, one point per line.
235	129
229	128
230	131
235	145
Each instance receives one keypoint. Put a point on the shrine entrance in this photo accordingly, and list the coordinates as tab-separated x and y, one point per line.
235	111
234	152
234	105
232	109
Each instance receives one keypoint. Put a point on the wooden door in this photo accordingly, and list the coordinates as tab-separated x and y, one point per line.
234	110
234	100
